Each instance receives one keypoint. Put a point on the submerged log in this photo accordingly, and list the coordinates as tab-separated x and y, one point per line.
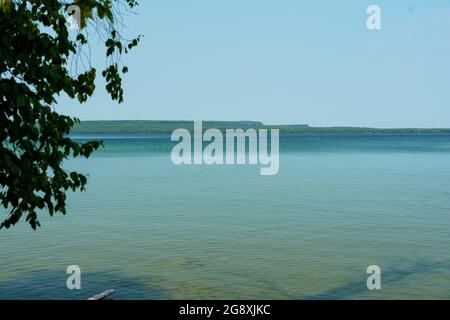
103	295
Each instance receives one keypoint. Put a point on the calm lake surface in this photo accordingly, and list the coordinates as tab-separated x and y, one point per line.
153	230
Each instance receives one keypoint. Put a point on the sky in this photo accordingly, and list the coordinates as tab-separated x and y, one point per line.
283	62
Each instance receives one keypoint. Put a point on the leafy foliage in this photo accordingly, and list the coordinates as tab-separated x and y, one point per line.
36	49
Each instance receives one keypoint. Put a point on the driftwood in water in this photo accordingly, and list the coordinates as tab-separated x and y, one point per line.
103	295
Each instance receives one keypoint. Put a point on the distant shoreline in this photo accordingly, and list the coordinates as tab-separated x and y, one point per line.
167	126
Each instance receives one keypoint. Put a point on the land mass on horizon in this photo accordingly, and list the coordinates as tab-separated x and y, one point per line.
167	126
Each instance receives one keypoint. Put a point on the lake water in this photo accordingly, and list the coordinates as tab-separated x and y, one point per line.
153	230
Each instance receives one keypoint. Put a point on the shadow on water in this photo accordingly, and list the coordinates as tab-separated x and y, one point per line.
392	276
50	285
44	284
358	288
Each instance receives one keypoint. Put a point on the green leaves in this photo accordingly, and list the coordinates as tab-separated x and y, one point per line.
34	70
6	6
113	45
84	85
81	38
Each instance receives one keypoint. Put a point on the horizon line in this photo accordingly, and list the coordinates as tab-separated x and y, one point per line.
264	124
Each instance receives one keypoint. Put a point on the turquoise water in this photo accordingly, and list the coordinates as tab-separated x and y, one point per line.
153	230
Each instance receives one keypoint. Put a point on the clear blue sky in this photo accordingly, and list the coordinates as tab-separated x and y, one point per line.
284	62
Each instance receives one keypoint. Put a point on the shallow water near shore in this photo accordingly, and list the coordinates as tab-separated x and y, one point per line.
153	230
